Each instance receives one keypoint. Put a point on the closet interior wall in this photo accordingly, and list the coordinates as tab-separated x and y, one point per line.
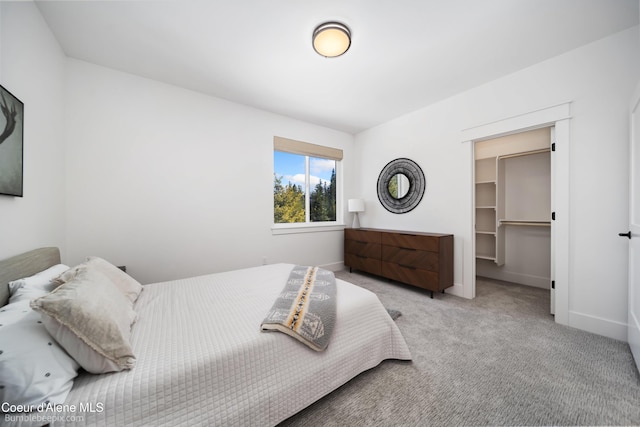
513	208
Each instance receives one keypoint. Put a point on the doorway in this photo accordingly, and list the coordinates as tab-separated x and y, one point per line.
556	116
513	208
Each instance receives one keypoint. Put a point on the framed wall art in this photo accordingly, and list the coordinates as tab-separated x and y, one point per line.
11	144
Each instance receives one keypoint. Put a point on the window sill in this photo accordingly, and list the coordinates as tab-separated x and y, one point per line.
277	229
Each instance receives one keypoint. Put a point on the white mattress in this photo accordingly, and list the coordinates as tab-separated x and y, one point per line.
202	358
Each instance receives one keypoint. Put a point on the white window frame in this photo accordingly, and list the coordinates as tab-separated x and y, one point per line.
318	151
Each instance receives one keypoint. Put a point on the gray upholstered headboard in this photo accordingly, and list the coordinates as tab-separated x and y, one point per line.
24	265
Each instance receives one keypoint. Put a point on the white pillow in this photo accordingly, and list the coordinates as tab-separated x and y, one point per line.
129	286
31	287
91	319
34	369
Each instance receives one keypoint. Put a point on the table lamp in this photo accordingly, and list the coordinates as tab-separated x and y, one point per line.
355	206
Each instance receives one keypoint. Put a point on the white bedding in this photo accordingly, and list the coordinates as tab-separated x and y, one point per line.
202	359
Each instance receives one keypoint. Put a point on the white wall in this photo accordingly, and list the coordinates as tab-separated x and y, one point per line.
32	68
598	79
172	183
136	174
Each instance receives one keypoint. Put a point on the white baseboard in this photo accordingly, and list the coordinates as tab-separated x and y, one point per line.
510	276
457	289
598	325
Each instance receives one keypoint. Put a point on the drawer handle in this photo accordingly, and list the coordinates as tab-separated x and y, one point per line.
407	266
361	256
402	248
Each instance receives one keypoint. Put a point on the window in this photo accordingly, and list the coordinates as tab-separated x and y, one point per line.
305	183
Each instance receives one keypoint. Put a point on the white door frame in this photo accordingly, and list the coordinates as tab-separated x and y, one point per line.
558	116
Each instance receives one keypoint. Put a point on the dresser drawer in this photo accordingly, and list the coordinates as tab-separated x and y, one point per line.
366	249
363	235
359	262
412	241
414	276
411	258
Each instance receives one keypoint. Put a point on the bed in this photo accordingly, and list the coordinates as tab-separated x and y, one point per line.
202	359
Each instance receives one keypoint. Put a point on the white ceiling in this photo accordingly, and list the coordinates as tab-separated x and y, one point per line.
405	54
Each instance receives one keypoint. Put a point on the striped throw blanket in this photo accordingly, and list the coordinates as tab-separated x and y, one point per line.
306	307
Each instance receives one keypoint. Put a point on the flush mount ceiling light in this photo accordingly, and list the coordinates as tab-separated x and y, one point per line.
331	39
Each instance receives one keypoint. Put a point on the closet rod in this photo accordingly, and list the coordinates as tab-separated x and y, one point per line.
526	153
532	223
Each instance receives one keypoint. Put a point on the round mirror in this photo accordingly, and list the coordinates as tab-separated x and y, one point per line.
401	185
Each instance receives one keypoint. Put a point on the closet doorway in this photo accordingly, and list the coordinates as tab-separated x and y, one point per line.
513	208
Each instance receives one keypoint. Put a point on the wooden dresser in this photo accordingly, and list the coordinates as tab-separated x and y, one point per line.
424	260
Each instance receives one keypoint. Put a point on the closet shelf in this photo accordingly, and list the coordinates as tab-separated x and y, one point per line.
486	207
524	153
525	222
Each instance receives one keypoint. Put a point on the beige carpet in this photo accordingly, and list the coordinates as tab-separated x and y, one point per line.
499	359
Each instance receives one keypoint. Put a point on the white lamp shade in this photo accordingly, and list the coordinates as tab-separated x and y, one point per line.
356	205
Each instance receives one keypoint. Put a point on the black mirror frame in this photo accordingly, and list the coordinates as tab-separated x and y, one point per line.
417	185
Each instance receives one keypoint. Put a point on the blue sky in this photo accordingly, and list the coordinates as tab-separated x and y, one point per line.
291	168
